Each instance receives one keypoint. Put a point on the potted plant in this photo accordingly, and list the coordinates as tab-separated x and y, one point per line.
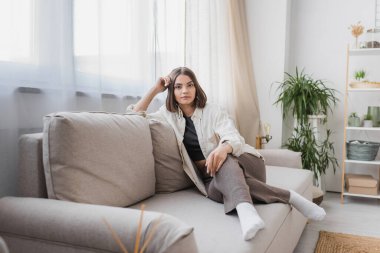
354	120
359	75
306	98
302	96
316	156
367	121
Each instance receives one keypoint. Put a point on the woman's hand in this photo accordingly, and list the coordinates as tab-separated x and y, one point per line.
217	157
160	86
162	83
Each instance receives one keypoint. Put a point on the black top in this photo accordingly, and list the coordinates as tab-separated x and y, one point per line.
190	140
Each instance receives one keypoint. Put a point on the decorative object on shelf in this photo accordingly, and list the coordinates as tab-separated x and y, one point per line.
374	111
367	121
356	31
261	140
361	184
365	85
301	96
354	120
362	150
373	38
359	75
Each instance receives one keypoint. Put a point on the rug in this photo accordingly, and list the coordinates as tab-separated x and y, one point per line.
330	242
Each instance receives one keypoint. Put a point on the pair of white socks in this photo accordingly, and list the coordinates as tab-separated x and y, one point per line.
251	222
306	207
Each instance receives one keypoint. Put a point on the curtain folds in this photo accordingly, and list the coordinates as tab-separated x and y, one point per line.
100	55
245	95
217	49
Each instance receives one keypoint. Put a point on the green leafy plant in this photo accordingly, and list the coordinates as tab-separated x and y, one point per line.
302	96
359	75
316	156
354	115
368	117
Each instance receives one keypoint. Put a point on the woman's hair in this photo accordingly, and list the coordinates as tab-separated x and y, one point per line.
200	96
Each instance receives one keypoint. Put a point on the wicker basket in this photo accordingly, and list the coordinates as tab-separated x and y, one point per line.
362	150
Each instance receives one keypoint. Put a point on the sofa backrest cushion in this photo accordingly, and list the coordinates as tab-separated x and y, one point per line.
98	158
170	176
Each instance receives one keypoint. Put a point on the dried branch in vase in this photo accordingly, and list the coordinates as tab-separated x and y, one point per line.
356	31
138	234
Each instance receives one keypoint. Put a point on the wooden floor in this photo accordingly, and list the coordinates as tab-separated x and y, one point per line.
359	216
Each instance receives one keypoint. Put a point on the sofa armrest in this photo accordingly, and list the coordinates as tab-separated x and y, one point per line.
76	225
282	157
32	177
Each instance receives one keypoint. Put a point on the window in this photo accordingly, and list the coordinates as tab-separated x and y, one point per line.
16	29
126	44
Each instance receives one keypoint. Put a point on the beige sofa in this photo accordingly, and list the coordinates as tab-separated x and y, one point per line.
183	220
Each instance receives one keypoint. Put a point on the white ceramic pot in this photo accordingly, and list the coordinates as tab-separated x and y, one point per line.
367	123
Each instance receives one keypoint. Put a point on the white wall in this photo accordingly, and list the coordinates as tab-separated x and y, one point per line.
267	25
319	36
310	34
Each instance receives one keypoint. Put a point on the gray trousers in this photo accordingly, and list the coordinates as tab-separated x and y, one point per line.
243	179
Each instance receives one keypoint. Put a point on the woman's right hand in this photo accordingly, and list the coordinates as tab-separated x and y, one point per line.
162	83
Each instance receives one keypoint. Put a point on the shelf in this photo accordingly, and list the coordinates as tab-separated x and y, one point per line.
365	51
361	195
363	89
369	89
375	162
364	128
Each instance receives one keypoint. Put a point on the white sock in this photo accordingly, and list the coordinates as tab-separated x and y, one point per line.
306	207
250	220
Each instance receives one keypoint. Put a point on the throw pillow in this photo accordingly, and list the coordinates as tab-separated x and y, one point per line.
170	176
98	158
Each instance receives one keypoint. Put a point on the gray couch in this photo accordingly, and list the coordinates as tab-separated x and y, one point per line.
183	221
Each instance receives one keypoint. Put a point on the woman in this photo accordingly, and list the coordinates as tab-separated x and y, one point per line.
225	168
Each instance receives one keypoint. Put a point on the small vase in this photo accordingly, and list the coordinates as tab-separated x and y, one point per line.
354	121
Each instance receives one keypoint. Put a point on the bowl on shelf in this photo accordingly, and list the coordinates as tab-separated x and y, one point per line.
362	150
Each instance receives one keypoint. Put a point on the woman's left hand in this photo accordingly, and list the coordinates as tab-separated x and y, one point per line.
217	157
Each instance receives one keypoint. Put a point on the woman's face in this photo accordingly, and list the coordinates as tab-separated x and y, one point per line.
184	90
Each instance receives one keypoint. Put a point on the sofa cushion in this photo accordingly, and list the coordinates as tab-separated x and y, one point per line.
98	158
217	232
170	176
76	227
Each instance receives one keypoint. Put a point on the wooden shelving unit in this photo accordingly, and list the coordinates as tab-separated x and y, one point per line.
345	161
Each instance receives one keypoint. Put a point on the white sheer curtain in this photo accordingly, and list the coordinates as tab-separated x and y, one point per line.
99	55
217	49
79	55
208	49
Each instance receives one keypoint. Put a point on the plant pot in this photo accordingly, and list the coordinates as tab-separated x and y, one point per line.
317	195
367	123
354	121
